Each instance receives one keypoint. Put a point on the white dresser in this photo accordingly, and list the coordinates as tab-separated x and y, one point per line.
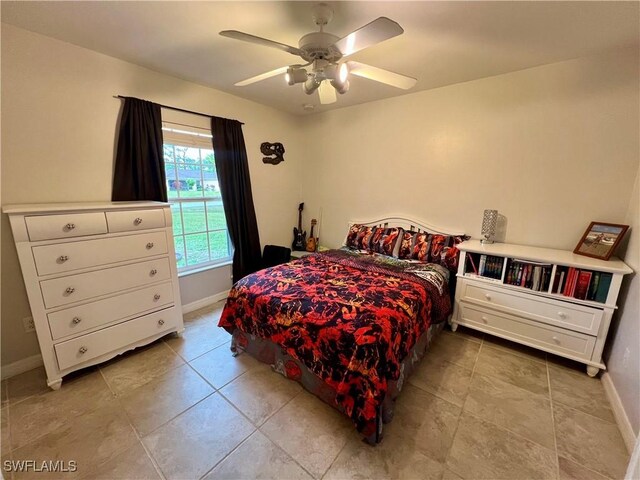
494	296
101	279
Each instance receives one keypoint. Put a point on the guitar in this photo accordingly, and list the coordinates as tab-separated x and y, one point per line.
312	243
299	237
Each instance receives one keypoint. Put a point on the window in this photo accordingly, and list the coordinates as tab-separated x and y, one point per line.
199	225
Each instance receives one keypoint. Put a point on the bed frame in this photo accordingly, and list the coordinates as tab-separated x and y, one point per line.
406	223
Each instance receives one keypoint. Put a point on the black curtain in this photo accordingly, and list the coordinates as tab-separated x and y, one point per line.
139	169
232	167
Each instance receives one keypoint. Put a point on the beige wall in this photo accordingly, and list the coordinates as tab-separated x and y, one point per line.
59	128
551	148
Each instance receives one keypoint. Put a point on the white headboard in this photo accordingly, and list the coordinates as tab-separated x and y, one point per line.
409	224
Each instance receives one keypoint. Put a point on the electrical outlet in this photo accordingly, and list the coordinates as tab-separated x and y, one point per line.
28	324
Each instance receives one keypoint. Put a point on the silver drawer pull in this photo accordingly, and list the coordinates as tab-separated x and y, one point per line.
137	221
69	290
150	245
156	296
63	258
153	272
70	226
76	320
487	296
160	322
562	315
484	319
82	350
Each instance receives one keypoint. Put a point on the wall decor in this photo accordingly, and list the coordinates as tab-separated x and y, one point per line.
600	240
274	152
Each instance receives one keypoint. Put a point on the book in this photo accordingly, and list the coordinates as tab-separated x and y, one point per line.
582	284
473	265
574	282
594	286
561	281
556	281
481	266
603	287
567	283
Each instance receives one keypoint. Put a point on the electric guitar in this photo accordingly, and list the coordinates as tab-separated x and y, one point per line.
299	237
313	241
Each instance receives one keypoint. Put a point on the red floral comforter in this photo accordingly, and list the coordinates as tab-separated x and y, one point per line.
350	320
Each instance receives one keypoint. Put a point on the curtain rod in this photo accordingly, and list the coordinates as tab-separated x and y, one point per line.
176	108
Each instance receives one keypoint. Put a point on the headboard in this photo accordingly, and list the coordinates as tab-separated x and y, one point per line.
408	224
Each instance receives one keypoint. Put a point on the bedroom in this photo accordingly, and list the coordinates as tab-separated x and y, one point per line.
547	134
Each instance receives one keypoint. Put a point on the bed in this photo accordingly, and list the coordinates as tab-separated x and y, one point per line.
350	324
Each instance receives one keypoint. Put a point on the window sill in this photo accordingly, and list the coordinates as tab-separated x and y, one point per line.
186	273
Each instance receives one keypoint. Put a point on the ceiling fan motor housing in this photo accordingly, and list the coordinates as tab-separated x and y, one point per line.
319	45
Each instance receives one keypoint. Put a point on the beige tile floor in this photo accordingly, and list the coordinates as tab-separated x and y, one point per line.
184	408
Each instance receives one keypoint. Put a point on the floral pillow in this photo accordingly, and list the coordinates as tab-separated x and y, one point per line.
385	241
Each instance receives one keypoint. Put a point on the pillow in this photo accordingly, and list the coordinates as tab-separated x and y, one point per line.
359	237
432	248
385	241
414	246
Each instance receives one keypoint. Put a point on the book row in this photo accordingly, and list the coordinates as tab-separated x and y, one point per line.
582	284
528	275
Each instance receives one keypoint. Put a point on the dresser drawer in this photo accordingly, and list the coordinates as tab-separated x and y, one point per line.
75	288
93	345
131	220
44	227
64	257
75	320
552	312
551	339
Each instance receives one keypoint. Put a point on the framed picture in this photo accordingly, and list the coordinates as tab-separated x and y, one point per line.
600	240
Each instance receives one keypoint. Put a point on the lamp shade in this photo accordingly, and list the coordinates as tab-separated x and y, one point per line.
489	225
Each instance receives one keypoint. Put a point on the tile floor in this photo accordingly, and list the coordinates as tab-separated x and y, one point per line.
184	408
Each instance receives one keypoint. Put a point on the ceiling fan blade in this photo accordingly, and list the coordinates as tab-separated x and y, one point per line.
380	75
263	76
245	37
379	30
327	93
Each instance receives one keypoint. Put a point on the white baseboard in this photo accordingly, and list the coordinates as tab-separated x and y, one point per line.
204	302
21	366
618	412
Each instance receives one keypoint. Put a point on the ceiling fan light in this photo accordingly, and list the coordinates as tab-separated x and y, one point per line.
295	75
330	71
341	88
343	73
311	85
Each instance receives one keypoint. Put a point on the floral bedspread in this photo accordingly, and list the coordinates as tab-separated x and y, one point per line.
351	320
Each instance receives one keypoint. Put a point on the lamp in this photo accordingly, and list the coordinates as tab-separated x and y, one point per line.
295	75
489	224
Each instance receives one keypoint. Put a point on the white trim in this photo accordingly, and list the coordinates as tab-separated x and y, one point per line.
204	302
203	268
618	412
21	366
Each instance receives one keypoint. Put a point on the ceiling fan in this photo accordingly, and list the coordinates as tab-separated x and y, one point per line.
325	54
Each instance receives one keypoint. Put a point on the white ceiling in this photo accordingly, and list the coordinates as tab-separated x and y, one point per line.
444	42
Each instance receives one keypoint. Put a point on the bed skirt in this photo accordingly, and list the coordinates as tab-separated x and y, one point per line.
269	352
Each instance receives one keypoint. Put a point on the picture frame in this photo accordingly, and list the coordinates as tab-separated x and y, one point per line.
600	240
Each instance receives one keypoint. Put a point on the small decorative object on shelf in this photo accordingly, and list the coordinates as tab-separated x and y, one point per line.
600	240
489	224
274	152
544	298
